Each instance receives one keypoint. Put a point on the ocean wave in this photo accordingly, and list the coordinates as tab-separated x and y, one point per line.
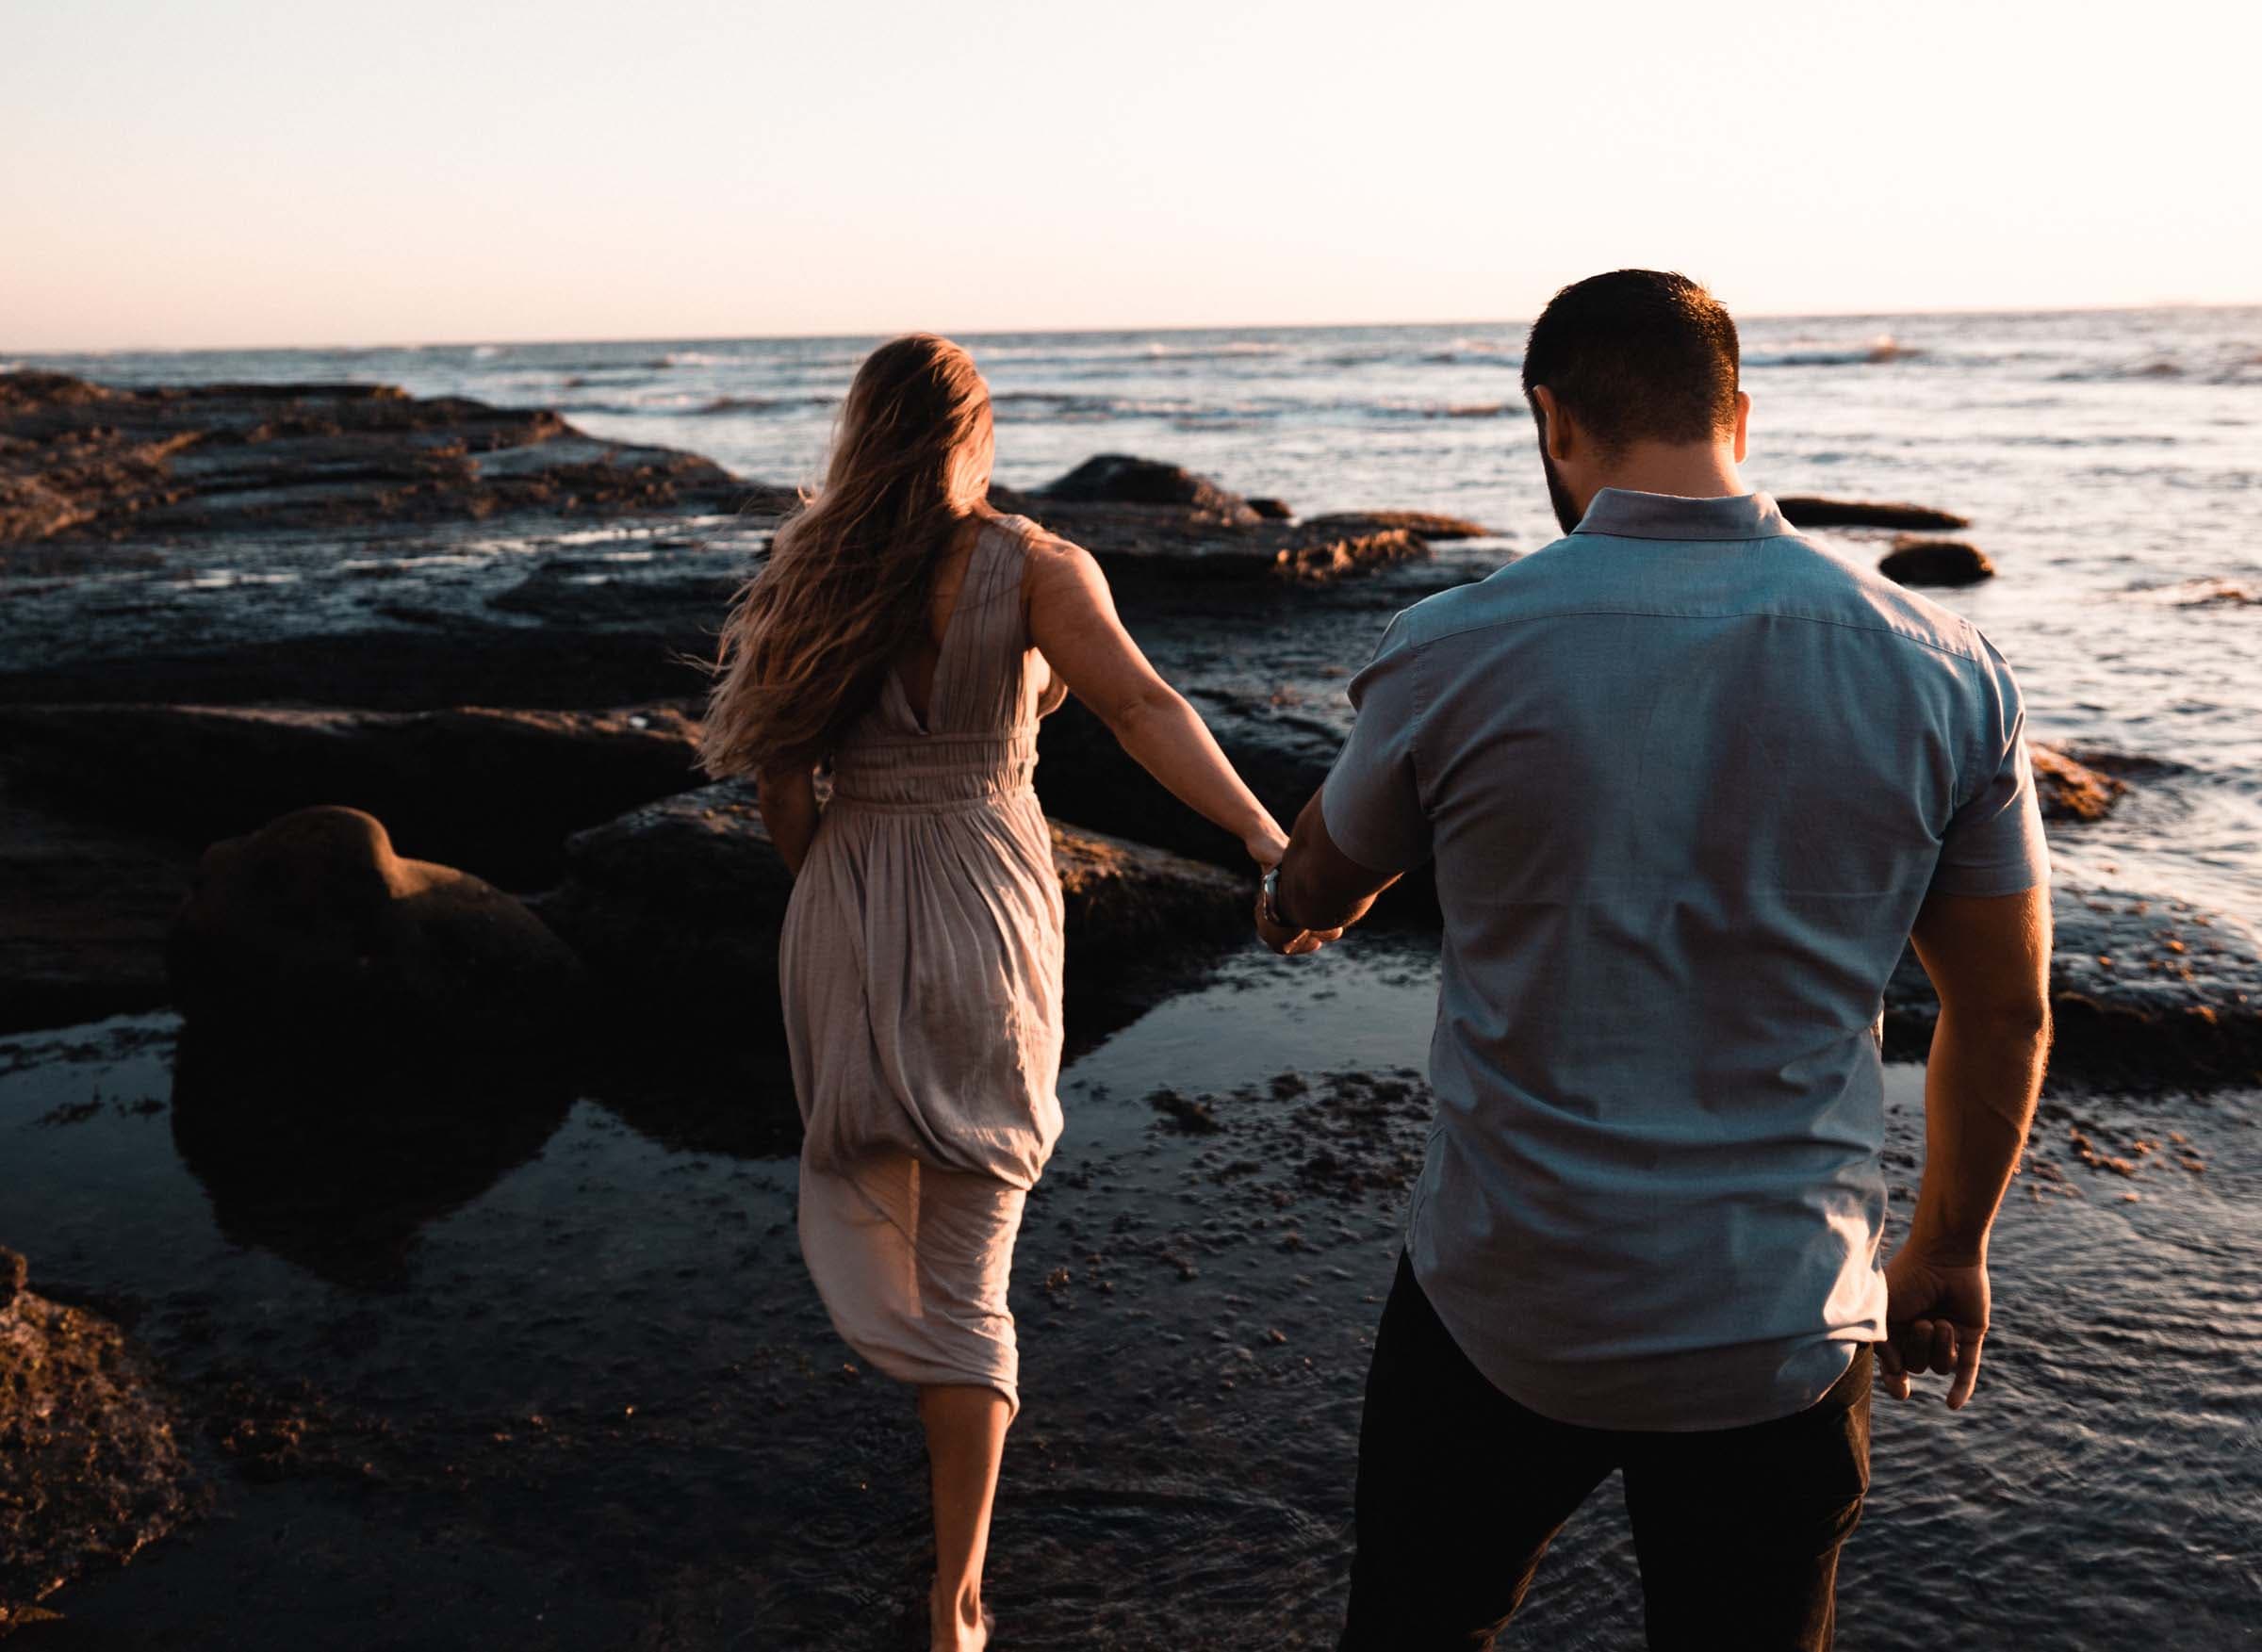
2210	591
765	403
1875	353
2232	364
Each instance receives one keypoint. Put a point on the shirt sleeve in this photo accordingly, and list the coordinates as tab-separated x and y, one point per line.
1995	844
1372	802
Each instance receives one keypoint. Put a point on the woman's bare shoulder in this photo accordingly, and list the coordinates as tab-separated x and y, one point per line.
1049	559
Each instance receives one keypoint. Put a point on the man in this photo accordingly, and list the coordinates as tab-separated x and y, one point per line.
1689	783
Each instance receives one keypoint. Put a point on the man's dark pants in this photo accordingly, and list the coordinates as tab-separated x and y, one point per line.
1460	1489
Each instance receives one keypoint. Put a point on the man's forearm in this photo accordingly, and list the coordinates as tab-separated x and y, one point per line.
1980	1085
1319	888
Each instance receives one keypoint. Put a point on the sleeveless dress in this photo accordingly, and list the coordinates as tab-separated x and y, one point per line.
920	968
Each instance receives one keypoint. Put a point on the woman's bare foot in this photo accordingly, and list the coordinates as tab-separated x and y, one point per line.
963	1624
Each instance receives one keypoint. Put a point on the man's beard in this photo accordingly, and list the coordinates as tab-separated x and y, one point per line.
1559	496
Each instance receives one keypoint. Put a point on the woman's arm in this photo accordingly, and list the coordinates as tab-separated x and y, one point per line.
788	800
1073	622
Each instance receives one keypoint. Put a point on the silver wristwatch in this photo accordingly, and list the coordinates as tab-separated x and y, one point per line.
1268	898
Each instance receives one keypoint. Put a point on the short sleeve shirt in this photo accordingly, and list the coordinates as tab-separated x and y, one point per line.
1686	779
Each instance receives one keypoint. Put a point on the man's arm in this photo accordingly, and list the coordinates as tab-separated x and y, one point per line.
1989	958
1322	890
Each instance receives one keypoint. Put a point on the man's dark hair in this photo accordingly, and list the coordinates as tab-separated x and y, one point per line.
1637	355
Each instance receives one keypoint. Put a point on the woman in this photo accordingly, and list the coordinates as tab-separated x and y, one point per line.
909	638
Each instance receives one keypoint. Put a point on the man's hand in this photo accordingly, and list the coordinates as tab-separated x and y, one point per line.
1290	942
1935	1319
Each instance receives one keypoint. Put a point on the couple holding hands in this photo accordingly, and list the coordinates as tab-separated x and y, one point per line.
1689	783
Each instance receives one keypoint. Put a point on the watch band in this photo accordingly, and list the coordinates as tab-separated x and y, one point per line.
1268	898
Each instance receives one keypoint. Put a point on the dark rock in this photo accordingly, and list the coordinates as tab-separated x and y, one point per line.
83	916
1935	562
1171	545
91	1469
2146	992
677	906
1271	509
2072	791
1422	524
493	791
1805	512
92	462
1084	774
1119	479
311	933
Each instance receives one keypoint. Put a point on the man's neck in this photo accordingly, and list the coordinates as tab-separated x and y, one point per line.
1692	471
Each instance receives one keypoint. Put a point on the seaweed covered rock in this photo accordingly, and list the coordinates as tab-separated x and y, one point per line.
312	931
91	1471
2069	789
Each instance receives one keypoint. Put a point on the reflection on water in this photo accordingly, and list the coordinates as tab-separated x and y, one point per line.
338	1167
613	1414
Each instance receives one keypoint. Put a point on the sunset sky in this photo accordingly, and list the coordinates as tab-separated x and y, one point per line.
232	172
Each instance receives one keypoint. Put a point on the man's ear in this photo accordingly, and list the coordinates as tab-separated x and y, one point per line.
1743	425
1557	434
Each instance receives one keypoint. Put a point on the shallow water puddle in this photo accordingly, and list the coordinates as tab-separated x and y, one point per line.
595	1403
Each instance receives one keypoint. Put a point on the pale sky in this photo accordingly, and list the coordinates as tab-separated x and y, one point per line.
320	171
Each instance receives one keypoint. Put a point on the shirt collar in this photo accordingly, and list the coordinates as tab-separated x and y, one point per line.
1622	514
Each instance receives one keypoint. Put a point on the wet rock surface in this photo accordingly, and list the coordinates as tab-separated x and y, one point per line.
311	933
1935	562
2069	788
83	921
88	462
2146	992
91	1471
1807	512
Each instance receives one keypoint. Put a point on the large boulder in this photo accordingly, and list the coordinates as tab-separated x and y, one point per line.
312	932
1935	562
680	904
91	1469
1120	479
2146	992
1804	511
492	789
94	462
1153	524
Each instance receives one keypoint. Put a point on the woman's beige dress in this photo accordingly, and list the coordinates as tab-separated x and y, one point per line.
921	974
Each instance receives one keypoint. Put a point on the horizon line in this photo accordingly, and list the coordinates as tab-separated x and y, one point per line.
474	341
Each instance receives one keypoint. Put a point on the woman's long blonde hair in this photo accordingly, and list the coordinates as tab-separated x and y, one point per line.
845	588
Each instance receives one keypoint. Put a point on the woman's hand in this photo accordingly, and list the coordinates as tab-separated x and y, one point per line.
1267	845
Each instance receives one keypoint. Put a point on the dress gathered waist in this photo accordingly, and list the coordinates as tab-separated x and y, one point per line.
935	773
